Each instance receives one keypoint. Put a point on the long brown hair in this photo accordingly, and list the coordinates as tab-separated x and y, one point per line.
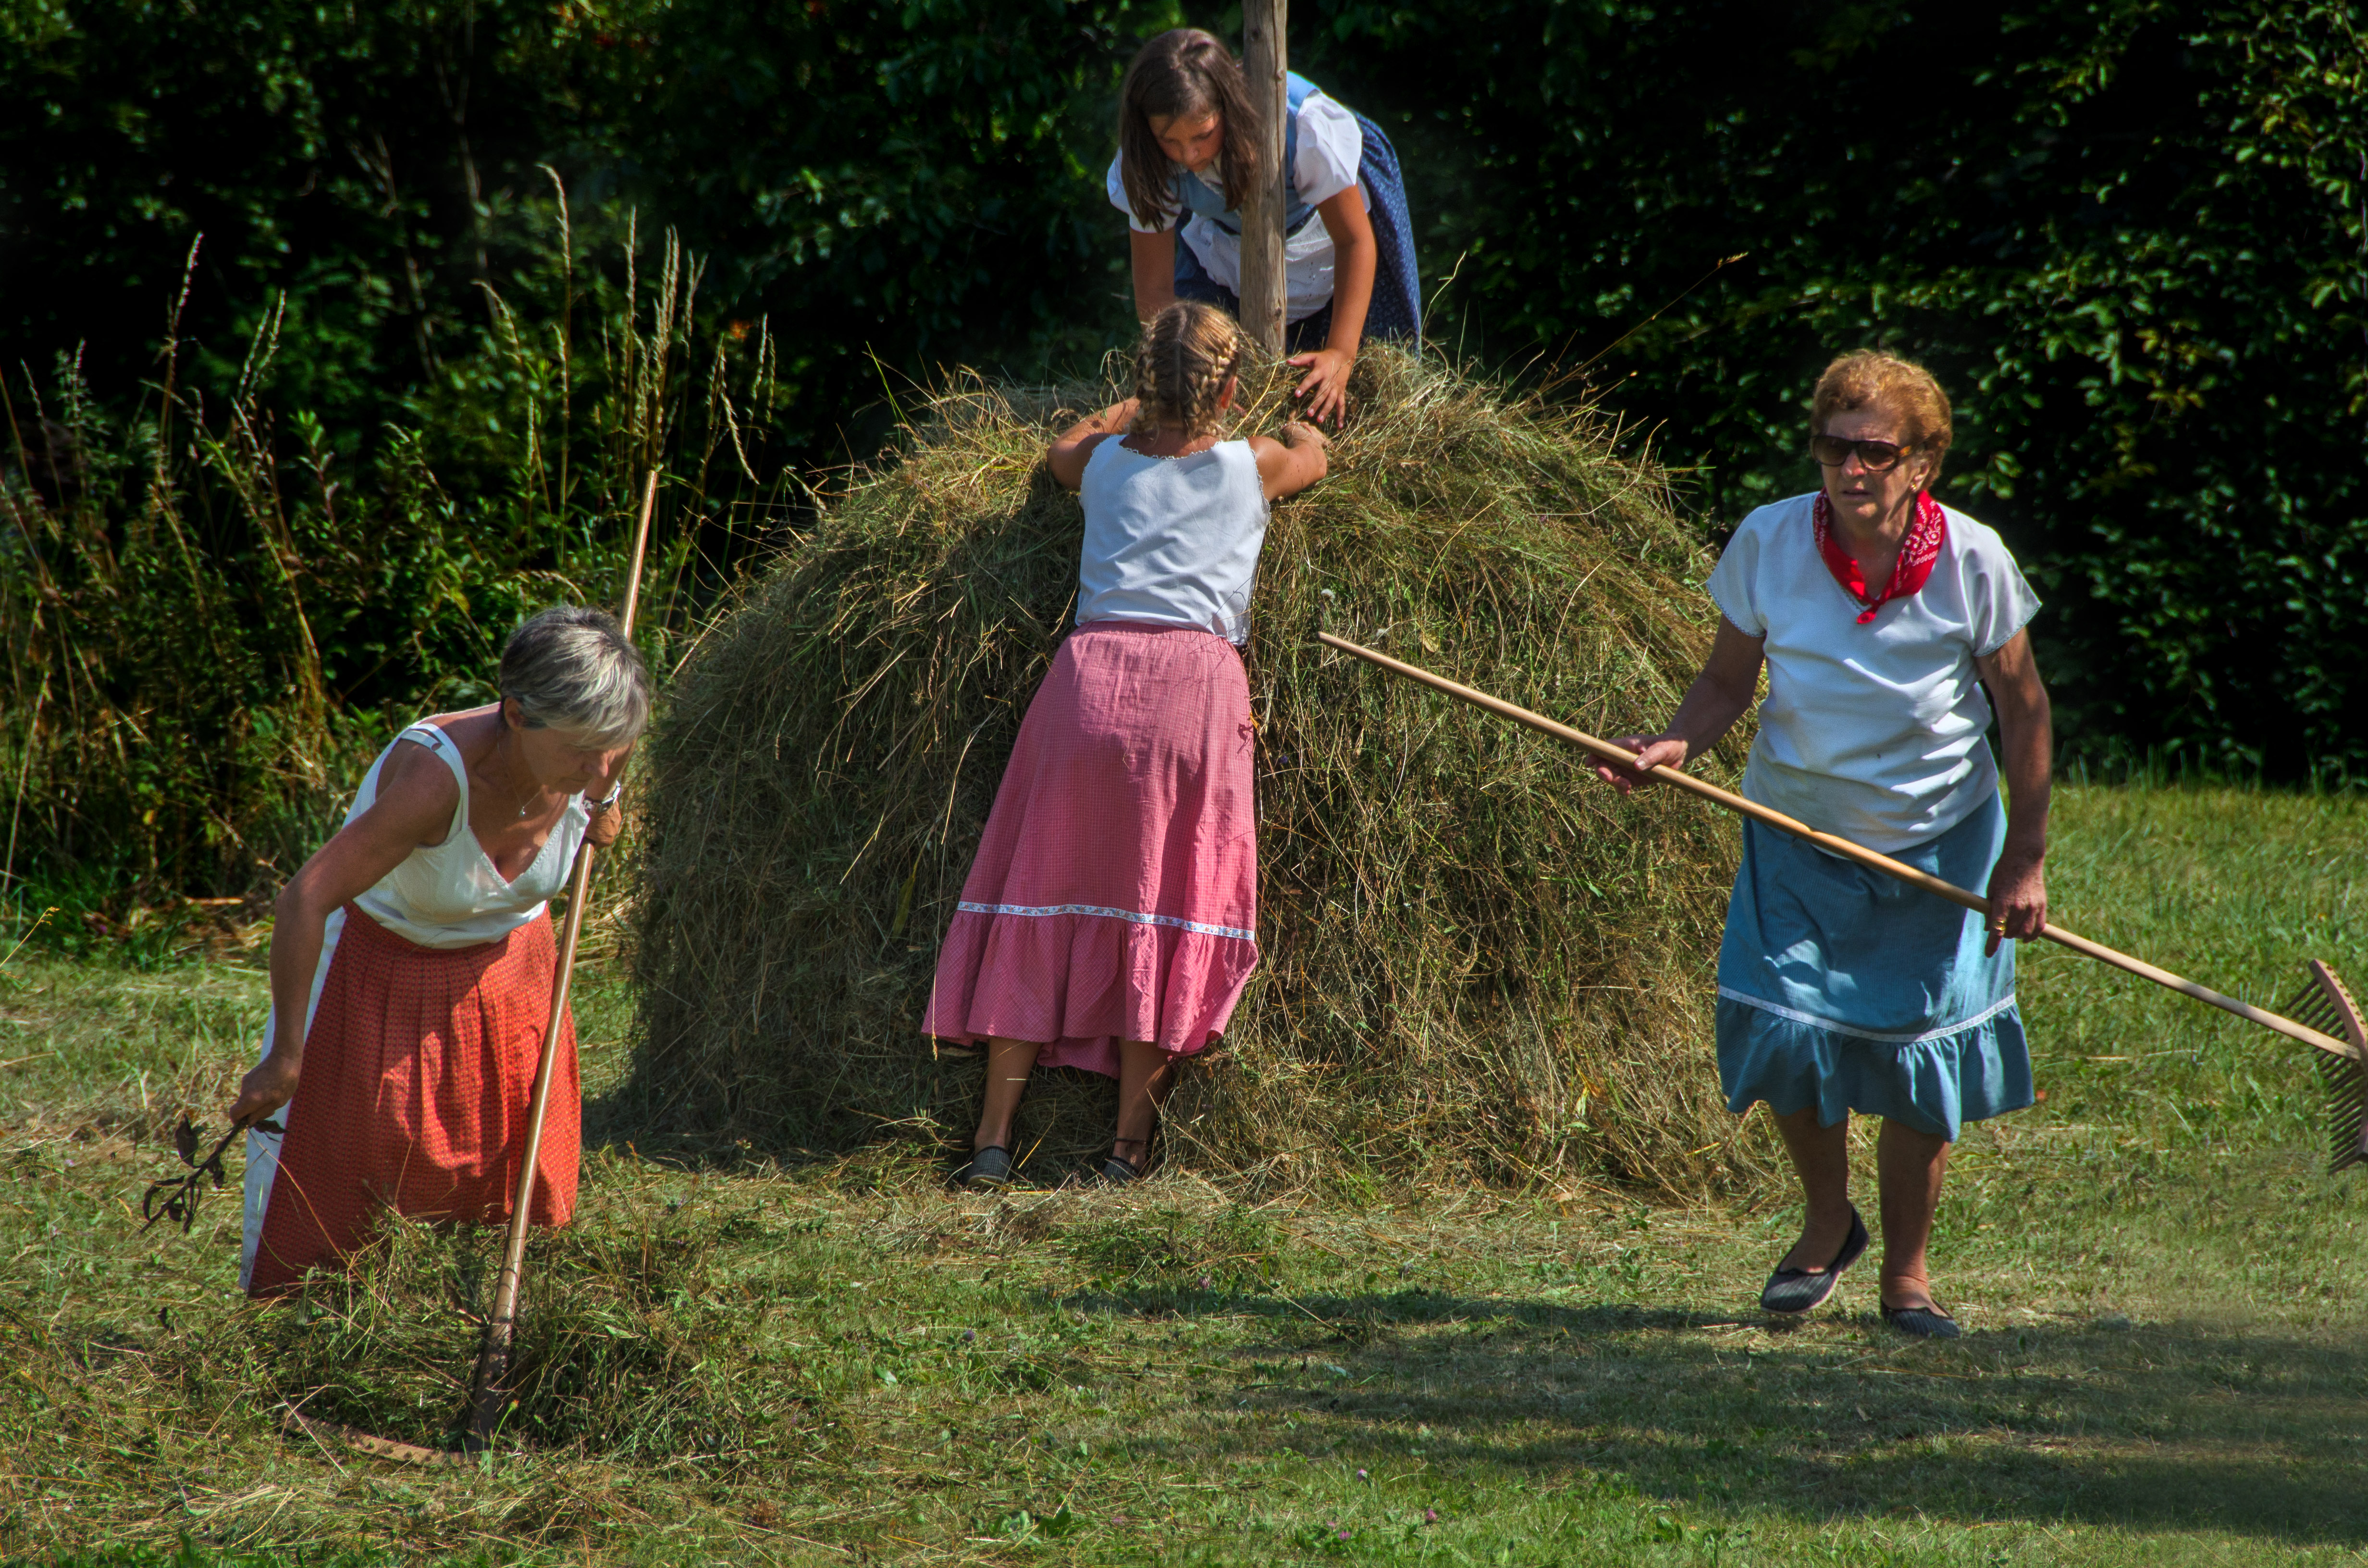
1183	72
1187	353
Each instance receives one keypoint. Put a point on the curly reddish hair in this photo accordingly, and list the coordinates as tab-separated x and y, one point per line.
1869	376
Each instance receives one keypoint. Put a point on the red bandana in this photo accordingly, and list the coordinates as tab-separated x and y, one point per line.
1925	535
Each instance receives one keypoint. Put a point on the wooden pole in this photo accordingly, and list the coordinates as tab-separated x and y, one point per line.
1842	847
488	1390
1265	60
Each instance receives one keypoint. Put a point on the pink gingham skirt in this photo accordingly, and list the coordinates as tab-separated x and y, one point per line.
1115	893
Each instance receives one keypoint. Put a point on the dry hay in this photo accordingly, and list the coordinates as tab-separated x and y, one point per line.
615	1355
1477	963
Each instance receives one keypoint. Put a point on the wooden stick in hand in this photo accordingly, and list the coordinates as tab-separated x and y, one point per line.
1840	846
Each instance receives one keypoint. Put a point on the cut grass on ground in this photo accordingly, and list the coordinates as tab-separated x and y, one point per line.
2165	1362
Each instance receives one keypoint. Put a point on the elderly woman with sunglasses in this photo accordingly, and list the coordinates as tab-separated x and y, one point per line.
1881	616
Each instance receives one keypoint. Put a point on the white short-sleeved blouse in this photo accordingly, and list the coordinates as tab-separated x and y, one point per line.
1873	732
1331	146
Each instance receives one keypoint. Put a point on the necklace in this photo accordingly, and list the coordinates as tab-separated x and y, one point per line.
532	792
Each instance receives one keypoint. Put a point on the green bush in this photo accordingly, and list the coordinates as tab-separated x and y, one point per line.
211	618
918	183
2128	234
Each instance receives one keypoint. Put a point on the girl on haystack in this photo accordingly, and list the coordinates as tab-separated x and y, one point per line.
415	947
1187	158
1109	921
1881	616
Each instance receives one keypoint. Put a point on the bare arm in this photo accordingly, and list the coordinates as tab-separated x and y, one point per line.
1729	679
1326	388
416	800
1074	445
2018	889
1290	465
1155	270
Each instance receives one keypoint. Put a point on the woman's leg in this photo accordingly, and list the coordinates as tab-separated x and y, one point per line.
1145	1073
1909	1166
1821	1157
1008	1063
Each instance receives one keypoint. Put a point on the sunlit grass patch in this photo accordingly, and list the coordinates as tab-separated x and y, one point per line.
840	1360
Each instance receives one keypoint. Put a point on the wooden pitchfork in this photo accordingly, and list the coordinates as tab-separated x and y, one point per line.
488	1393
2344	1063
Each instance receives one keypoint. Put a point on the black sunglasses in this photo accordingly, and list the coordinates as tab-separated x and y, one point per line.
1876	457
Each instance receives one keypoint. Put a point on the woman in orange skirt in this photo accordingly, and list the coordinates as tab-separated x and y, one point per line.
417	946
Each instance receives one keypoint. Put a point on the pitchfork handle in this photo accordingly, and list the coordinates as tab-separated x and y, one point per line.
1841	846
486	1393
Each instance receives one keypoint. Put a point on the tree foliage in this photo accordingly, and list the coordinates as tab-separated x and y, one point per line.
2131	236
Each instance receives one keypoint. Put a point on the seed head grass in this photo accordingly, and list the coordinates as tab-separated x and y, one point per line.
1476	963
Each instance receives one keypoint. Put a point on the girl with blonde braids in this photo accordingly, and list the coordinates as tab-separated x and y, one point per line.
1110	920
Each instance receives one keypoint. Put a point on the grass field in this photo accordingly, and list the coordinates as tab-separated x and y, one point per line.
2167	1360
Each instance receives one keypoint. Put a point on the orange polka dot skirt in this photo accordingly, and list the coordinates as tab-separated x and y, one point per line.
418	1071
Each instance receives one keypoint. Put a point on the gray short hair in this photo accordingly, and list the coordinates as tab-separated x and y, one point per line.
572	668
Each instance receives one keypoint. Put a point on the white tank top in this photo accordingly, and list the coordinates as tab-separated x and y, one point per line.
1172	540
451	896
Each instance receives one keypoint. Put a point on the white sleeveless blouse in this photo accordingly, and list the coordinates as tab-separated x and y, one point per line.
450	896
447	896
1174	542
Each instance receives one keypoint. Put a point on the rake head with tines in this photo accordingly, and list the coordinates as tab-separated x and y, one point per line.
2327	1006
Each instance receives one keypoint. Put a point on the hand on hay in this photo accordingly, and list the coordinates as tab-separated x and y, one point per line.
1290	465
1325	389
1652	750
608	821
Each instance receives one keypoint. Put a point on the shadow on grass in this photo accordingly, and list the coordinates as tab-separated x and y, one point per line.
2160	1427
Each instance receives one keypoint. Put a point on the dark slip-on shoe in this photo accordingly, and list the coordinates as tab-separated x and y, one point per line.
989	1167
1922	1323
1798	1290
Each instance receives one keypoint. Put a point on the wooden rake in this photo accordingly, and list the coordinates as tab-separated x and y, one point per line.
2323	1002
489	1390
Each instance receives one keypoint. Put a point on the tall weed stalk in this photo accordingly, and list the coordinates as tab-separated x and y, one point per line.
213	609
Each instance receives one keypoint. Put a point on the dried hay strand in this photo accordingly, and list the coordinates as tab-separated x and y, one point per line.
616	1352
1476	962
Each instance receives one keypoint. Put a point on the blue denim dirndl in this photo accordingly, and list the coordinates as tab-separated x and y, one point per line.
1841	988
1397	308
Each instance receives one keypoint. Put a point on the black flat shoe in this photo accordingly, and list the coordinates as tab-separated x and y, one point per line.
1922	1323
1117	1172
1798	1290
989	1167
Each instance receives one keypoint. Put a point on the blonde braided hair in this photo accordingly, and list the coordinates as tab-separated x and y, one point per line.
1187	353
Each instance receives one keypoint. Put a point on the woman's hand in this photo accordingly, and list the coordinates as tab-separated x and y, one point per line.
1325	392
608	820
2018	896
1651	751
265	1089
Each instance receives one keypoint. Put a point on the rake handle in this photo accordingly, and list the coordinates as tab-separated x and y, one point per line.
486	1391
1841	846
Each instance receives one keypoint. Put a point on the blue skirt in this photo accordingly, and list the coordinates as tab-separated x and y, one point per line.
1396	307
1843	989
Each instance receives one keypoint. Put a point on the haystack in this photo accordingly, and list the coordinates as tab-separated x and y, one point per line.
1477	962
